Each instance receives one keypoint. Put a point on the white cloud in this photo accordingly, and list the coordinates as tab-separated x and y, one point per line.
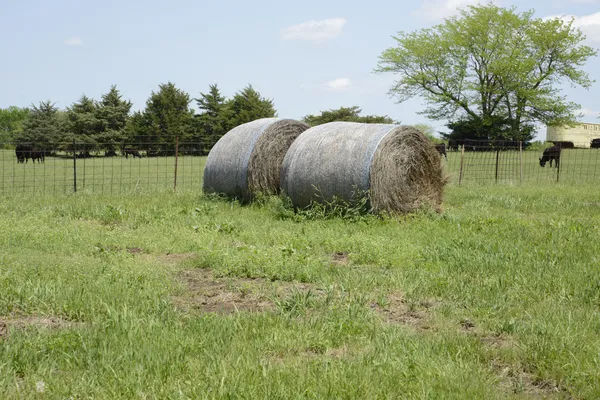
74	41
589	113
315	30
338	85
589	24
433	10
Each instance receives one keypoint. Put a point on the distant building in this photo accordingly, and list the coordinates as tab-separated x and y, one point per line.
579	136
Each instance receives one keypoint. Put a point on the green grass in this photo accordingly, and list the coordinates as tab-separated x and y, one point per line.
498	297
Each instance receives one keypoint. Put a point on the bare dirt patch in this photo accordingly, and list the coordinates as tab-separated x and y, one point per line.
175	258
516	379
225	295
396	310
340	258
8	323
135	250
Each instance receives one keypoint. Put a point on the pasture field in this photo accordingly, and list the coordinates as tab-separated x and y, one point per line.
118	175
162	295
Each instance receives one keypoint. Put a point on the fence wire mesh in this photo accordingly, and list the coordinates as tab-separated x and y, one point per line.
514	164
78	167
175	164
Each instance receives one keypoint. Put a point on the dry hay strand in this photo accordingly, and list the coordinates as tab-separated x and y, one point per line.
246	161
396	167
406	173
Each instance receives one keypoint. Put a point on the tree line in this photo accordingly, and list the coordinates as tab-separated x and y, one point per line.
108	125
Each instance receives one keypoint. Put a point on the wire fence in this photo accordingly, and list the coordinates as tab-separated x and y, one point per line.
512	163
172	164
102	167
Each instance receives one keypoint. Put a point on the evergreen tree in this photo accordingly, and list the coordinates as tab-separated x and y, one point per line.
113	114
43	128
213	120
167	115
248	105
84	124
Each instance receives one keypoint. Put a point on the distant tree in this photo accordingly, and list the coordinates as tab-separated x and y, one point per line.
248	105
491	64
428	131
349	114
83	123
213	121
495	128
167	115
113	114
11	124
43	128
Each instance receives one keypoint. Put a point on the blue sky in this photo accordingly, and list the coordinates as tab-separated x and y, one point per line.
307	56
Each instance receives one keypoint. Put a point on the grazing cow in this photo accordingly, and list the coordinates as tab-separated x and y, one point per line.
131	152
551	153
110	153
441	148
23	153
39	155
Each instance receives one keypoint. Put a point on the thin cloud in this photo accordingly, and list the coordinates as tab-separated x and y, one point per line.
338	85
586	112
74	41
434	10
589	24
315	30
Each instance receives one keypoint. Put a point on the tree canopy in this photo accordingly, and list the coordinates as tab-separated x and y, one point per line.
491	64
248	105
43	128
11	124
349	114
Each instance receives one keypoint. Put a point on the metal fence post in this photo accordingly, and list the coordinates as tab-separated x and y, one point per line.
520	162
74	168
176	161
497	157
557	169
462	157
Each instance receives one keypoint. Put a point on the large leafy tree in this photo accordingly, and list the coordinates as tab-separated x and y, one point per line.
491	63
84	124
349	114
44	127
11	124
213	119
167	116
113	114
248	105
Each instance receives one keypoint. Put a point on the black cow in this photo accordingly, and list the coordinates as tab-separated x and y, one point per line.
551	153
39	155
131	152
441	148
110	153
23	153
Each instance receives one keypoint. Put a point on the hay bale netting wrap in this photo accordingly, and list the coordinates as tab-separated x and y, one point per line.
247	160
396	165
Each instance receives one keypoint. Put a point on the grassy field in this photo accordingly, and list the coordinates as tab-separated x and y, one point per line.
161	295
118	175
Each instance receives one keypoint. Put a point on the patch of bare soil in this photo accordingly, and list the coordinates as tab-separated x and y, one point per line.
397	311
340	258
516	379
8	323
135	250
175	258
226	295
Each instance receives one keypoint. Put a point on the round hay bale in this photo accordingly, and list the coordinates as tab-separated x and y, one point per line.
247	160
397	167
